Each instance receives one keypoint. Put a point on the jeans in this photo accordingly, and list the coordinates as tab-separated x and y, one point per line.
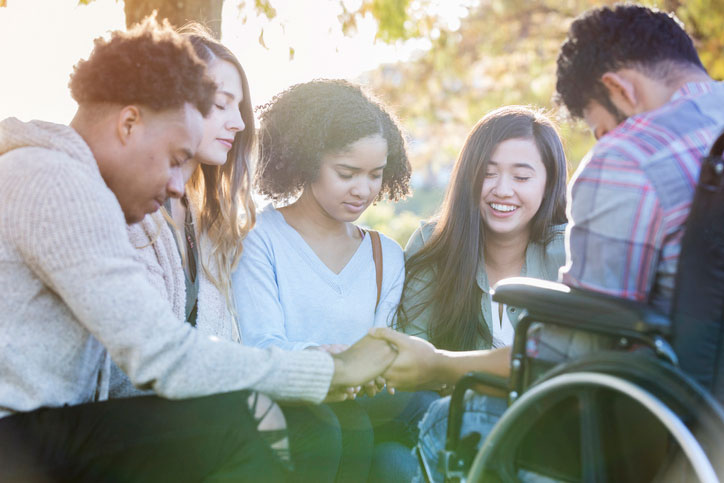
481	414
395	419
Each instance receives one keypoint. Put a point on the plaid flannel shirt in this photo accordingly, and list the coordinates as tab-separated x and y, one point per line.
630	197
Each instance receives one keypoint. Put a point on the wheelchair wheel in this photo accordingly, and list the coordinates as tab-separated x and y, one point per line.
607	417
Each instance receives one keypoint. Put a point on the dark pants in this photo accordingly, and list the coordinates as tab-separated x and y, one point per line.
357	442
139	439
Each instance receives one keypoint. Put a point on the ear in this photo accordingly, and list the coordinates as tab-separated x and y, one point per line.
621	90
129	122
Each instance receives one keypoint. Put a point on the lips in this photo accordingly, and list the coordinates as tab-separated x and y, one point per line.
355	207
226	142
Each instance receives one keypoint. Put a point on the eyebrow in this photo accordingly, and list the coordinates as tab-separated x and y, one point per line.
227	94
354	168
515	165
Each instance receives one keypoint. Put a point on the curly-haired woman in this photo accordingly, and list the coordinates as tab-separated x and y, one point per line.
308	278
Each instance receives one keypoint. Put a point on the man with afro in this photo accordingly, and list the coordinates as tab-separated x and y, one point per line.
74	296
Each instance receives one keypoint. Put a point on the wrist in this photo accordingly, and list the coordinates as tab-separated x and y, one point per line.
447	367
339	376
442	367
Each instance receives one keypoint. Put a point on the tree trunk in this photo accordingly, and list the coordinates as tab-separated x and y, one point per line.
178	12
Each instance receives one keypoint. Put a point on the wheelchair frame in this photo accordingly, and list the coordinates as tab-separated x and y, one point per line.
556	304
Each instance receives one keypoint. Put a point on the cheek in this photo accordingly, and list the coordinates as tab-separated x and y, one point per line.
536	194
209	133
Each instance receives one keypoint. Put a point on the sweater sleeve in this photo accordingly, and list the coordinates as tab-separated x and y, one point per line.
70	231
257	299
393	267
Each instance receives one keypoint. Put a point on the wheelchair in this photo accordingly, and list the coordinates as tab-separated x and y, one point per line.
650	409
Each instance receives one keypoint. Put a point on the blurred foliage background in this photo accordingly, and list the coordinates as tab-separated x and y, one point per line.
476	55
502	52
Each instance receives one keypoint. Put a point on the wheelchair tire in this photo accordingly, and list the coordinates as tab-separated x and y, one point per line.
664	402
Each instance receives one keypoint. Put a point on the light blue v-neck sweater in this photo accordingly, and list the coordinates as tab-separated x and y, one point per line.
287	297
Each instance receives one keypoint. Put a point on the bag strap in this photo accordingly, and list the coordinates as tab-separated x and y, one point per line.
377	257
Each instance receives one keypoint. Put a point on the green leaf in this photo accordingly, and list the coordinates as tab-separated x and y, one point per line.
265	7
261	40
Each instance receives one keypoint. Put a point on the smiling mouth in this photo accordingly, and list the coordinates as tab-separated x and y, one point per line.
503	208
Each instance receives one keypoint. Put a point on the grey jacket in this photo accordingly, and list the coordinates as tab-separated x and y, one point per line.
540	262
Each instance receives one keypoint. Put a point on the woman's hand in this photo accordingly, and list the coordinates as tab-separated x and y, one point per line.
361	363
374	387
333	348
416	365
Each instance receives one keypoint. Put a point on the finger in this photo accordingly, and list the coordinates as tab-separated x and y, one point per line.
389	335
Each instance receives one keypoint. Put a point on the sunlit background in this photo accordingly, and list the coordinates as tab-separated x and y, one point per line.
41	40
439	64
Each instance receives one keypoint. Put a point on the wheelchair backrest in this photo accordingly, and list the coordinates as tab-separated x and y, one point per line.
698	305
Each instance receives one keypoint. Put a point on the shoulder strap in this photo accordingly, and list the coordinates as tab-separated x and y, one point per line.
377	257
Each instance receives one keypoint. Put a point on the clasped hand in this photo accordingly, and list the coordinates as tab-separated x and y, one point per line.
416	365
360	366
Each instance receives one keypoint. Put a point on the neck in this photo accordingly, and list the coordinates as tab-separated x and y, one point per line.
178	213
505	255
308	217
655	93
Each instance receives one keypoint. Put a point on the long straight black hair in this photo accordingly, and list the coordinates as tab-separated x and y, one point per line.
454	249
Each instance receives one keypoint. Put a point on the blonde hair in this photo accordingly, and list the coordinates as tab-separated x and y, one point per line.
221	195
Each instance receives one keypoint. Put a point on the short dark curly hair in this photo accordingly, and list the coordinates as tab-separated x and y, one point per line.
608	39
299	126
150	65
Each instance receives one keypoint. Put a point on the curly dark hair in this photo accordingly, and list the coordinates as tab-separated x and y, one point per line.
608	39
150	65
307	121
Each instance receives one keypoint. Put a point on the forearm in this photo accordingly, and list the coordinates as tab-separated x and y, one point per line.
450	366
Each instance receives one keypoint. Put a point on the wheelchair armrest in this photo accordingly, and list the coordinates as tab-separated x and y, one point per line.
457	407
562	305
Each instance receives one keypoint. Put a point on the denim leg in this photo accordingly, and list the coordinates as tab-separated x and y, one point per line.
481	414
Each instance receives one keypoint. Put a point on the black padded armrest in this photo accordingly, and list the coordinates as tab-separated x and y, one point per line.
557	303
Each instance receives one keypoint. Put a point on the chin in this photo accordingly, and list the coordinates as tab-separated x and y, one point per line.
134	218
217	159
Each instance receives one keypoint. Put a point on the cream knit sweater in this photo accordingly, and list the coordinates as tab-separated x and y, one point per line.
156	249
73	292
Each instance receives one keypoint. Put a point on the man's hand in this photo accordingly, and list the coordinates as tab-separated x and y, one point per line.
416	364
361	363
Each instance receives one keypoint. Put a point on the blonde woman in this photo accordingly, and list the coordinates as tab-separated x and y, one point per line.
192	244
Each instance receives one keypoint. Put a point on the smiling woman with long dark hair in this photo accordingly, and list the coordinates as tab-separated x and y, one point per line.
502	216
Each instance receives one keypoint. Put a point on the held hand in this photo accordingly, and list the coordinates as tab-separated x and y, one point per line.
340	394
415	367
362	362
374	387
333	348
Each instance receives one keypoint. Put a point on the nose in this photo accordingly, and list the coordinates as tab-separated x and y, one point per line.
175	186
362	188
235	122
503	186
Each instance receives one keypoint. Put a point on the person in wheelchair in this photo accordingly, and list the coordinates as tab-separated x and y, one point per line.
633	74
